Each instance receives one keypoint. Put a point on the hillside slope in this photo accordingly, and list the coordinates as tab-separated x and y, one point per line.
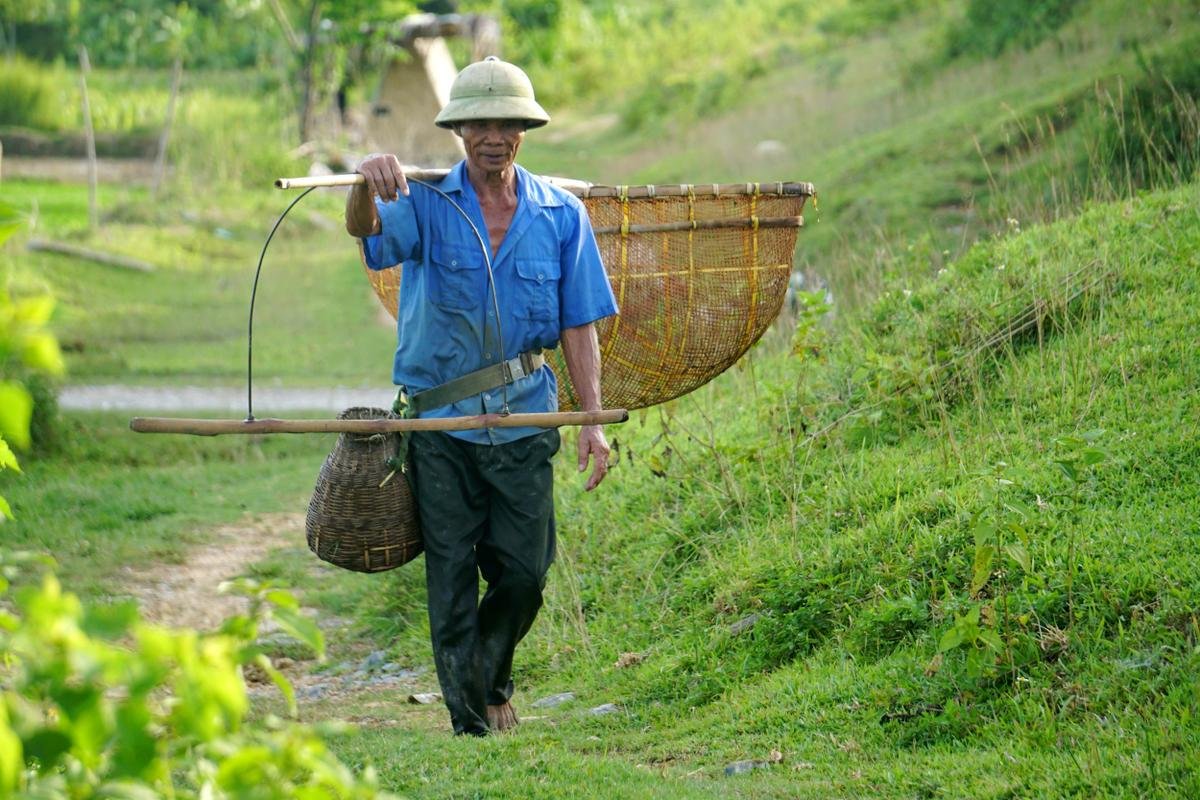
954	557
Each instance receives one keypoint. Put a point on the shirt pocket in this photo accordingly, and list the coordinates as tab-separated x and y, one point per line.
459	277
537	288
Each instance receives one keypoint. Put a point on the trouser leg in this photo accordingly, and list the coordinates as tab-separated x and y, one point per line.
516	551
483	509
452	501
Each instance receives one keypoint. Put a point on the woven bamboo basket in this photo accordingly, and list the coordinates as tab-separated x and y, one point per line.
358	518
699	271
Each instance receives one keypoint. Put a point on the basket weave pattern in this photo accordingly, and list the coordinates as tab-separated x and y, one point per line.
696	291
352	521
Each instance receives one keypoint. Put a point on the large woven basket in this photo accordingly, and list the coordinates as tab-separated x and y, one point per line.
699	271
353	521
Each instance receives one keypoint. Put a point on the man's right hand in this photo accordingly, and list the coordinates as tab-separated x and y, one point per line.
385	176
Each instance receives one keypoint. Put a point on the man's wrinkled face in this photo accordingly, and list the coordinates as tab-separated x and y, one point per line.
492	144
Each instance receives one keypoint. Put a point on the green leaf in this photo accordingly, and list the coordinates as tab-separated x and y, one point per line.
1019	554
11	759
16	410
281	598
1093	455
301	628
47	745
951	639
40	351
1019	507
8	459
992	639
280	680
1092	435
33	311
1068	469
984	556
5	510
985	532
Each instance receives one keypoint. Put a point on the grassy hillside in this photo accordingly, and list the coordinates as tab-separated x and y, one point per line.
938	542
951	557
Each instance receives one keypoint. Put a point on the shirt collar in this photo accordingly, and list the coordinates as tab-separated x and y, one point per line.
537	192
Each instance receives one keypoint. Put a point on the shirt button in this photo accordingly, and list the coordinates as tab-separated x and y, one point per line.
453	263
487	355
541	277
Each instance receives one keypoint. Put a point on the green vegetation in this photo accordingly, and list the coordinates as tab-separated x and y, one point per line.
101	704
990	28
935	537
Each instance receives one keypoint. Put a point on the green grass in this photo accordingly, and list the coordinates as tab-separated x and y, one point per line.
316	322
109	498
787	550
854	549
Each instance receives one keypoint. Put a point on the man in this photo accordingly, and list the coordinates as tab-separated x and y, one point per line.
470	336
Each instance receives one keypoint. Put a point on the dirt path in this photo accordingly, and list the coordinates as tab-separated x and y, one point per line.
187	595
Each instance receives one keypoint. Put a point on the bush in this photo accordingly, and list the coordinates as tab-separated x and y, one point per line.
992	26
98	703
28	96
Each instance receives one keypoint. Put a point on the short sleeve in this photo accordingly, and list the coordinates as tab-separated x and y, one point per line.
585	293
398	239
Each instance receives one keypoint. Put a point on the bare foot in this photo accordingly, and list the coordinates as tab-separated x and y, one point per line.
502	718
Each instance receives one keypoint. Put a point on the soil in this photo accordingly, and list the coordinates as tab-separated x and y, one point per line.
188	595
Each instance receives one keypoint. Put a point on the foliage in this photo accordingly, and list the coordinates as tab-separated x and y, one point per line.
989	27
101	703
28	96
26	348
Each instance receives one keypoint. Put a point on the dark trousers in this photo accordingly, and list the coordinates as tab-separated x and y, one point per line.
485	509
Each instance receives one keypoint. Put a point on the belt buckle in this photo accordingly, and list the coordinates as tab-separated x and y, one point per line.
514	369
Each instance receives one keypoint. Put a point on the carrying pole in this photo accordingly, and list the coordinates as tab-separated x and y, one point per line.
214	427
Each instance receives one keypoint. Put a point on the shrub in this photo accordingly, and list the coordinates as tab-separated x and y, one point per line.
990	27
98	703
28	96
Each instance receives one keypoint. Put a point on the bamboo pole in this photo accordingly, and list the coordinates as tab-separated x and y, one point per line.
214	427
85	67
160	161
706	224
583	188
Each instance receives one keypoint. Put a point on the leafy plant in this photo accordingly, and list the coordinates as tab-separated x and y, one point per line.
25	346
100	703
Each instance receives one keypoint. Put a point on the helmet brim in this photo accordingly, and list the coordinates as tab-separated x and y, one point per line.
465	109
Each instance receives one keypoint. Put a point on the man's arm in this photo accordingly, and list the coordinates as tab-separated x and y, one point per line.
581	349
385	178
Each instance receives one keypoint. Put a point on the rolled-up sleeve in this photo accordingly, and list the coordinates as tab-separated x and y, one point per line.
585	293
398	239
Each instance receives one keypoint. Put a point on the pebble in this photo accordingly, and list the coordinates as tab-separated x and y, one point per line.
553	700
744	624
607	708
740	767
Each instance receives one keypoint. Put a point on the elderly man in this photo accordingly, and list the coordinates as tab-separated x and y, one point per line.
497	265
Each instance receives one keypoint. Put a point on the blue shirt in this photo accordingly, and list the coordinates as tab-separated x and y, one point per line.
548	277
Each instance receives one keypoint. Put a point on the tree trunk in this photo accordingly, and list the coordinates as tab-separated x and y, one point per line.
307	80
85	66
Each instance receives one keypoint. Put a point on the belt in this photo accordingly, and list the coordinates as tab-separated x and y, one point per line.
481	380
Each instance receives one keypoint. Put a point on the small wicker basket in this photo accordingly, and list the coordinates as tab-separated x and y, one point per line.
353	521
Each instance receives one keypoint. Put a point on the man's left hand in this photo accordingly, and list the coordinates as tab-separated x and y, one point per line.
593	443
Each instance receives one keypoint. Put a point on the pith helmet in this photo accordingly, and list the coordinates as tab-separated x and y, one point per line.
492	89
